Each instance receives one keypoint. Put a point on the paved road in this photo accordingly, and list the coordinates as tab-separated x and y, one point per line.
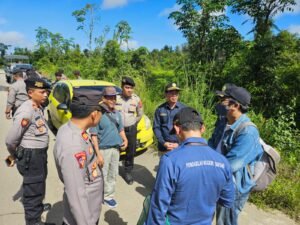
129	198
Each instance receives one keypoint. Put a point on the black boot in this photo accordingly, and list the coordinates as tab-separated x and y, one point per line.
128	178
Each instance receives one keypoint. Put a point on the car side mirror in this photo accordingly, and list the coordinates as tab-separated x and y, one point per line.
62	106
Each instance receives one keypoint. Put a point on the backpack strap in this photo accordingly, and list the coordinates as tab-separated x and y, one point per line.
237	132
113	120
240	127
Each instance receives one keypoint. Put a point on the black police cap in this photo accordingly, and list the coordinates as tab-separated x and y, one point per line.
128	81
36	83
186	115
88	98
172	87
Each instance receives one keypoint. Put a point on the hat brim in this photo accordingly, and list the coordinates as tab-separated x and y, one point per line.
173	89
220	93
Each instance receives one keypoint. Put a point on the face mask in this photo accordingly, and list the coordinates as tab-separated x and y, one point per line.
221	109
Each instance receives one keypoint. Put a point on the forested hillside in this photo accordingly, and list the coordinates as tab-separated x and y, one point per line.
215	53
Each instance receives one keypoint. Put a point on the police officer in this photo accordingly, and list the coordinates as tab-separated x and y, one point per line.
131	108
163	119
17	94
78	162
27	142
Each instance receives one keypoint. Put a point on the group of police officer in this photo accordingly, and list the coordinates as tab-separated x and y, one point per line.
76	158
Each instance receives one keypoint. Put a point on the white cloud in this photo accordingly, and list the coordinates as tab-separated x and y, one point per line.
296	10
167	11
109	4
16	39
132	44
295	29
2	21
219	13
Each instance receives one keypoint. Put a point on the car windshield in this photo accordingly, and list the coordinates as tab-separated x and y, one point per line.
98	88
23	66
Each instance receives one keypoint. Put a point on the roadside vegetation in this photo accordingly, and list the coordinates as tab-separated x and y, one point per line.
215	54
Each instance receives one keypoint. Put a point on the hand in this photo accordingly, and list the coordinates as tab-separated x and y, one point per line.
124	145
100	160
175	145
7	114
168	146
12	160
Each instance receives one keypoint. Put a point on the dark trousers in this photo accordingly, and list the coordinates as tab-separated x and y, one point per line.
130	151
32	165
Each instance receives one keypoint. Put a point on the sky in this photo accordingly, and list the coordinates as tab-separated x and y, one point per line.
147	18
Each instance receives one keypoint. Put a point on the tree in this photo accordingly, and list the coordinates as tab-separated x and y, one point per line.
112	54
42	37
261	12
3	48
198	20
139	58
101	39
87	18
122	32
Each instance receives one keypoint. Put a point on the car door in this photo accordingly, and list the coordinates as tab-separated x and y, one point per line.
61	95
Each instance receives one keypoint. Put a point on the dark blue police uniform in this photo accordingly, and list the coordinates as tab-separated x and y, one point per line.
163	124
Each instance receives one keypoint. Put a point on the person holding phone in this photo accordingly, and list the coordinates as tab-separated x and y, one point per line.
27	142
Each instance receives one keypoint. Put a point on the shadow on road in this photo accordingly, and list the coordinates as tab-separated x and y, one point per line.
113	218
142	176
56	213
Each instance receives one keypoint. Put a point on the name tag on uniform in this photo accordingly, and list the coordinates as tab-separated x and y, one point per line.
163	114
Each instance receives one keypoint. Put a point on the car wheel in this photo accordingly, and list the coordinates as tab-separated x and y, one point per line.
50	124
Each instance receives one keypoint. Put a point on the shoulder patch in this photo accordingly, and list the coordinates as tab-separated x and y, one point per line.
140	104
24	122
85	136
81	158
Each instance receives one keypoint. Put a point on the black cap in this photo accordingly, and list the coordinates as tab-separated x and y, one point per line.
186	115
87	98
239	94
172	87
225	87
37	83
128	81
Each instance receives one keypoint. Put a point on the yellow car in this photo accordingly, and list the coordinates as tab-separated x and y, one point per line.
59	113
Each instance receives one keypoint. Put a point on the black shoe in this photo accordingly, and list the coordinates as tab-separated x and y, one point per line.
46	207
128	178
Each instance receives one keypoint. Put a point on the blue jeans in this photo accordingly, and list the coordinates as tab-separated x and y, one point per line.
229	216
